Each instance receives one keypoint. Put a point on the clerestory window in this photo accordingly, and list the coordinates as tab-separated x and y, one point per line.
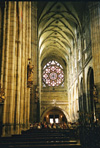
53	74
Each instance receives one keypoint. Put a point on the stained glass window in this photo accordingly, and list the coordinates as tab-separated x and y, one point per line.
53	74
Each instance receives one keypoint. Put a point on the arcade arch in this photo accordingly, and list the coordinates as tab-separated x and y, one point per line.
53	113
90	87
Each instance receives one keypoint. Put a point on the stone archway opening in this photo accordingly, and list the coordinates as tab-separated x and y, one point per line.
54	115
90	85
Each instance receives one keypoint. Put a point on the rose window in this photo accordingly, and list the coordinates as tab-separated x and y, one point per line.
53	74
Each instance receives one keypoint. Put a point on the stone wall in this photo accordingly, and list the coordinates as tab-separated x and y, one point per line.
15	54
33	105
54	98
78	78
94	8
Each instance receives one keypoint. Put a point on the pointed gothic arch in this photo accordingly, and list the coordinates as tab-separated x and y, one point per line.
57	108
90	101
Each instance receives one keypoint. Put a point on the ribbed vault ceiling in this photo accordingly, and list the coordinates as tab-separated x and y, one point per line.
57	29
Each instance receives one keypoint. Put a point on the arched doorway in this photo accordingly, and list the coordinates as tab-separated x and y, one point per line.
54	115
90	101
81	109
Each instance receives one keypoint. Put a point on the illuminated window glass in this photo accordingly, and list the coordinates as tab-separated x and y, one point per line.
56	120
51	120
53	74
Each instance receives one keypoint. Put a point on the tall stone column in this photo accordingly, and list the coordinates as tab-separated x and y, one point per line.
1	32
18	71
94	8
27	90
5	58
16	51
22	109
26	97
33	104
11	63
29	57
8	66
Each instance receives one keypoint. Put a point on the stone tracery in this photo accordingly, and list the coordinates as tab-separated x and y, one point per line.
53	74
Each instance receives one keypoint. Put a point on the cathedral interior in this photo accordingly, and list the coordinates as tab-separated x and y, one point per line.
49	63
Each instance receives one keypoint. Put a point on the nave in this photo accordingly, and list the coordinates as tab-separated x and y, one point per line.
49	71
